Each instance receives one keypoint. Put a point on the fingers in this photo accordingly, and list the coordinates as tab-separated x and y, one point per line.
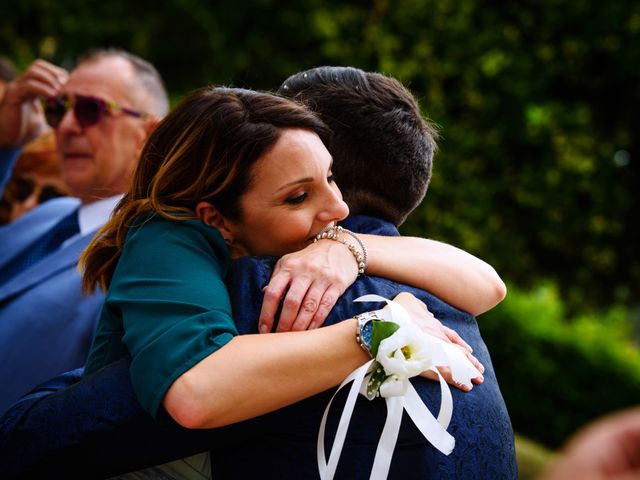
431	375
446	374
314	301
40	79
448	377
297	300
474	361
406	299
47	73
306	305
453	336
21	118
310	282
308	309
328	301
423	318
273	292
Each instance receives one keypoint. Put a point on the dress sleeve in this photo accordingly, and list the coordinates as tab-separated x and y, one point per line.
175	309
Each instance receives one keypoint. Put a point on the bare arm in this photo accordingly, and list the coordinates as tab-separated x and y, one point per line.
255	374
312	280
455	276
223	388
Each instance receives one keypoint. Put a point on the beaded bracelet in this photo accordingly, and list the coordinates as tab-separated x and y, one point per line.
332	233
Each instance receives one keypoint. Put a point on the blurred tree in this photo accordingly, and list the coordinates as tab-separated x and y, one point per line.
557	374
537	103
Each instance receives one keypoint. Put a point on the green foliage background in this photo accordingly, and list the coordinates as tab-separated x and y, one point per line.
537	103
536	100
557	373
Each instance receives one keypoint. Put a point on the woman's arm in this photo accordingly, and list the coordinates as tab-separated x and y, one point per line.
314	278
278	368
169	298
255	374
453	275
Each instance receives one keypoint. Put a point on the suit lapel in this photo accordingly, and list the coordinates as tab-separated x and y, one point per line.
21	234
54	263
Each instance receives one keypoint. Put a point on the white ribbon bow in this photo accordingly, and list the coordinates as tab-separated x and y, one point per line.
434	430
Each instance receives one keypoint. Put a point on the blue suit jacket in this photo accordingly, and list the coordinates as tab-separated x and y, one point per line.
46	324
100	414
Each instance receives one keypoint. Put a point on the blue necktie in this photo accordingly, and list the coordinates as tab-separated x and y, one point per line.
48	243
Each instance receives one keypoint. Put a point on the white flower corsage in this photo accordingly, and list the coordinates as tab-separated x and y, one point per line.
405	351
400	350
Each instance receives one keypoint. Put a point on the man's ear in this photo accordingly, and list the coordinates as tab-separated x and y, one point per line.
209	215
148	125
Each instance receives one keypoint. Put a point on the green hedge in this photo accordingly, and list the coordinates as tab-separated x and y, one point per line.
556	374
533	459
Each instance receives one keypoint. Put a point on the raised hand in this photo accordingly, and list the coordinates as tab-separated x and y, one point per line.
21	117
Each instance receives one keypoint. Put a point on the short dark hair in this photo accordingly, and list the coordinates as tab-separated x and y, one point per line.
382	147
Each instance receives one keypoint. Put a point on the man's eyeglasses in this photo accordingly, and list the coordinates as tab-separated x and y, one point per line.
88	110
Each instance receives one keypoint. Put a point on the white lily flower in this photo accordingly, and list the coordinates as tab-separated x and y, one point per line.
406	353
393	387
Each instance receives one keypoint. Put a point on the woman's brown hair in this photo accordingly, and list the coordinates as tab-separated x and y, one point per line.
203	150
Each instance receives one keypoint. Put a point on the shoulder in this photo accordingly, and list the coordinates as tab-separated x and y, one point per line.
157	226
370	225
156	245
159	232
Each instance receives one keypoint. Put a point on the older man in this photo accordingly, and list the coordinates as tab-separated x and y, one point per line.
102	113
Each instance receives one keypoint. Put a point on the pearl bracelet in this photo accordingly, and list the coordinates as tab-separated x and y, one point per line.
332	233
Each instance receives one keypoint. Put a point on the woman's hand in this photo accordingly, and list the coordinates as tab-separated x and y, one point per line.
424	319
311	281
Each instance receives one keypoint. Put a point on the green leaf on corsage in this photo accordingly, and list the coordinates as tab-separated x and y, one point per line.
381	330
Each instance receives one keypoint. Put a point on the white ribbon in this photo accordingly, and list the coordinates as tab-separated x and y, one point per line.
434	430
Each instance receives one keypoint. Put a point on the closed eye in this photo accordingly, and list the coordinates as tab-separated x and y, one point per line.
297	199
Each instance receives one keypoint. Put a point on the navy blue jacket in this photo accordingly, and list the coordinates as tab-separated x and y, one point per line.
480	423
98	418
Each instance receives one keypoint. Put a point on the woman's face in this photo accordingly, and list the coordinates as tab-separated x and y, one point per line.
292	197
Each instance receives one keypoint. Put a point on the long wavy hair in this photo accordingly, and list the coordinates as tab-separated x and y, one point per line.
203	150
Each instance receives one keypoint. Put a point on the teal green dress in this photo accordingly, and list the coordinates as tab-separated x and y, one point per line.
167	305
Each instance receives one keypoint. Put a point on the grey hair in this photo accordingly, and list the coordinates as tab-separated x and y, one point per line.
146	77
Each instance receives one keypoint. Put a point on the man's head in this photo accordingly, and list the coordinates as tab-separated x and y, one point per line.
382	147
98	159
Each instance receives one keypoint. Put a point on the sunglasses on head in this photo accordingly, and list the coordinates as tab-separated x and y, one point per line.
87	110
